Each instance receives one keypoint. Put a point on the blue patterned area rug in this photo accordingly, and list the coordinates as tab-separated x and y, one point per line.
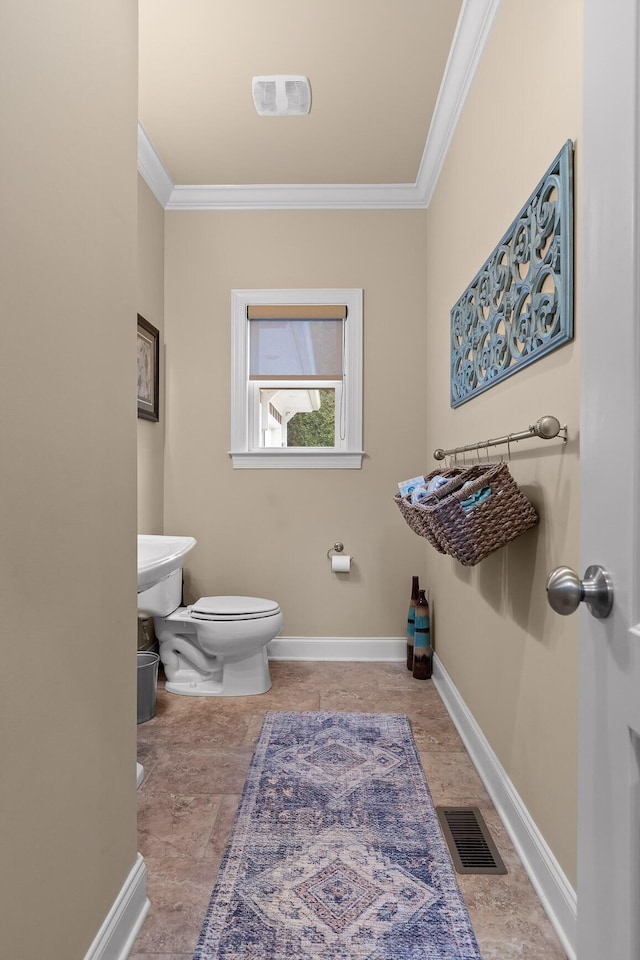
336	852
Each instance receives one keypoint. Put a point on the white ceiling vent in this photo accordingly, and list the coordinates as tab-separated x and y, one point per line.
282	96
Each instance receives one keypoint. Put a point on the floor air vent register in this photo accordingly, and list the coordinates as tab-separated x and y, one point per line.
470	844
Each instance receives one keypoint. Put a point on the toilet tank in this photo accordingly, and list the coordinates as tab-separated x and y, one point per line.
163	597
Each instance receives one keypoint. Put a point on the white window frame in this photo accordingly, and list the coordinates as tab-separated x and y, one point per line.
244	454
255	386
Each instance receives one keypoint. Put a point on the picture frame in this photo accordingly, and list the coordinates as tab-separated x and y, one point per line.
148	370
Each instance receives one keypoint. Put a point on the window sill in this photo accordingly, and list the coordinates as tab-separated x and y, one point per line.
279	459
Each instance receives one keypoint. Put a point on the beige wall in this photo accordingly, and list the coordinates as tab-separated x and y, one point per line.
267	532
151	307
67	510
512	659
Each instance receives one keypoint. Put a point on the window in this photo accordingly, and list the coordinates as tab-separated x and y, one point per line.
296	378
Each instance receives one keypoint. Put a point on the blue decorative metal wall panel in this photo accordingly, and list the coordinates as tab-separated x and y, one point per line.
519	306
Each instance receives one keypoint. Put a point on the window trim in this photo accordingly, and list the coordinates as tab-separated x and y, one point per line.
243	456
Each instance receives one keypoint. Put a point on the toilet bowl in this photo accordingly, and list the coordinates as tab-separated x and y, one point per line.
217	646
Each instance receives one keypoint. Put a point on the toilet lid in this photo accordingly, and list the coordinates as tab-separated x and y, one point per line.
233	608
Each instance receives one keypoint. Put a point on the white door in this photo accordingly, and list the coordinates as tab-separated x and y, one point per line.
609	750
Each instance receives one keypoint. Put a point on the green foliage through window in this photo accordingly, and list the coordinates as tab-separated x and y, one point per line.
317	428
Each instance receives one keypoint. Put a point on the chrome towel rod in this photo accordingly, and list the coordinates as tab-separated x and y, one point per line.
546	428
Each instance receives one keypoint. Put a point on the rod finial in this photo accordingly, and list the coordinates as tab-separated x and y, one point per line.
438	454
547	427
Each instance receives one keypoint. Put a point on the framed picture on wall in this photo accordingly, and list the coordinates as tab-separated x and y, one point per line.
148	370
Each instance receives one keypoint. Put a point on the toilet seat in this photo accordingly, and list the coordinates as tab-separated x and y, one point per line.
233	608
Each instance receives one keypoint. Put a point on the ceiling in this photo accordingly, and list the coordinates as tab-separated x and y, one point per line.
376	70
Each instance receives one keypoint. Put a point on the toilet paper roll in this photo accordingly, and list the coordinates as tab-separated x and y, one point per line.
341	563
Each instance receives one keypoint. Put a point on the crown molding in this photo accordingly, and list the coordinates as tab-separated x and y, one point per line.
310	196
152	170
472	30
469	40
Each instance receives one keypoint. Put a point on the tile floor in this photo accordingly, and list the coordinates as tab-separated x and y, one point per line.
196	753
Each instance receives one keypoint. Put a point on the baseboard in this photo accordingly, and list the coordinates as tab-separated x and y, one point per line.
116	936
554	890
338	648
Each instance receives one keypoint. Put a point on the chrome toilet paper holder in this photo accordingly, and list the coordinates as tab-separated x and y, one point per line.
338	547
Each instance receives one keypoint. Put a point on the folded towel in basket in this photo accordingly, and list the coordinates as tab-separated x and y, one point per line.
476	498
426	489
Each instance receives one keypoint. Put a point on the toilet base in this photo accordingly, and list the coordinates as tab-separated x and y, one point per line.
241	678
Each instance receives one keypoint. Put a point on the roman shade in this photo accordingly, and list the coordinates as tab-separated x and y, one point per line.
296	341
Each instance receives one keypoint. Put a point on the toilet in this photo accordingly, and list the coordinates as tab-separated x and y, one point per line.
216	647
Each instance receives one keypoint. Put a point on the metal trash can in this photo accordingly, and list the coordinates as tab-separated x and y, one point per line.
147	683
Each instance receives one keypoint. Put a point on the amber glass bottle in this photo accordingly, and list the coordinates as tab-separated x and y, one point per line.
422	650
411	621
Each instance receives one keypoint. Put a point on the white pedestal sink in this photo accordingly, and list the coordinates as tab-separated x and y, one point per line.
160	561
159	556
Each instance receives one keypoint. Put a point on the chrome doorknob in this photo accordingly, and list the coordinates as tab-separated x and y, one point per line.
566	591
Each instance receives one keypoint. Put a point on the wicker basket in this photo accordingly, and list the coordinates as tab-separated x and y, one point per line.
418	515
485	513
481	509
